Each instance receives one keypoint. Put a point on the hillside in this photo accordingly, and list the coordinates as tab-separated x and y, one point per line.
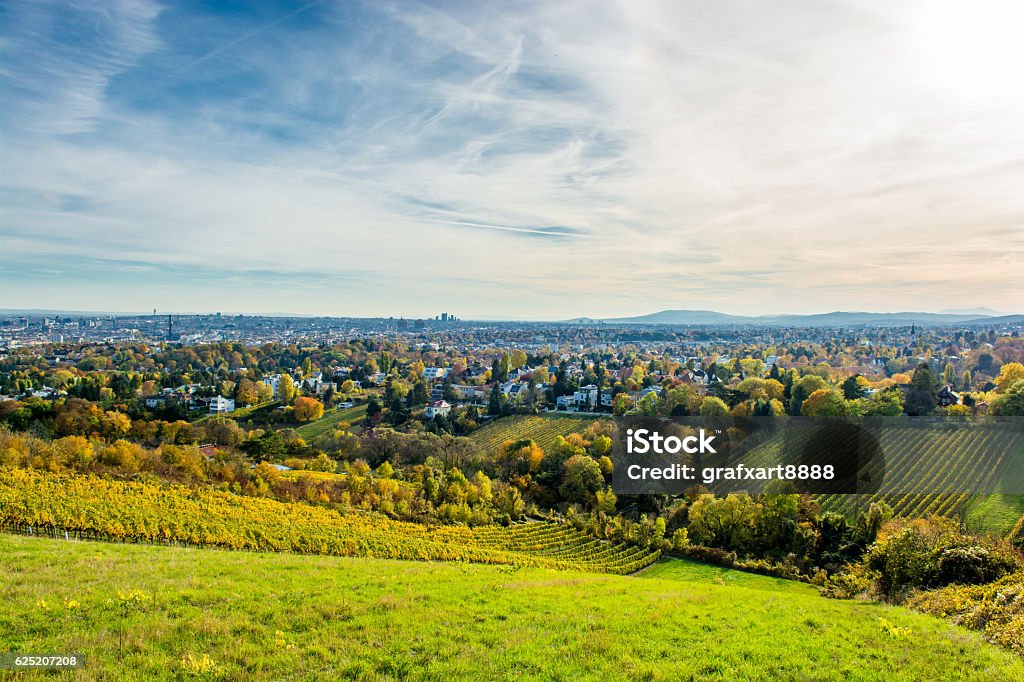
91	507
280	616
833	319
543	429
352	415
944	459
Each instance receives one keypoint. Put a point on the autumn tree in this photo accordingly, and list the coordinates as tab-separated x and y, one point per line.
581	480
825	402
713	407
1009	374
247	392
307	409
286	389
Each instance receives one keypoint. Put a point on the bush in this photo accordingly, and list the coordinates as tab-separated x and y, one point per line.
927	553
776	570
997	609
851	583
709	555
974	565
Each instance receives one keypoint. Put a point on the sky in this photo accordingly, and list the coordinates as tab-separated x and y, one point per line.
522	160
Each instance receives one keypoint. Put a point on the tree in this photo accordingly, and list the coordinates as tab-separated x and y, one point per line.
726	523
802	388
855	387
286	389
965	380
713	407
1009	374
581	480
949	375
373	409
888	403
308	409
517	359
247	392
323	463
825	402
605	501
621	404
520	457
1010	403
922	394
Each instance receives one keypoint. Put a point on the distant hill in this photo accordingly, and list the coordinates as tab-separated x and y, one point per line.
833	319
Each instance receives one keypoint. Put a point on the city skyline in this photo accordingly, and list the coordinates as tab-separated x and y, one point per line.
529	161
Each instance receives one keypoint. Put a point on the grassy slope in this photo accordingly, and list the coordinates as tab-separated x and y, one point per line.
353	415
379	619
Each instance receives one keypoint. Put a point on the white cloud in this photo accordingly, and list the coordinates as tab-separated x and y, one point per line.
682	155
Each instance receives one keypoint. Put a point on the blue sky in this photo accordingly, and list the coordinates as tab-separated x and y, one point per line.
518	160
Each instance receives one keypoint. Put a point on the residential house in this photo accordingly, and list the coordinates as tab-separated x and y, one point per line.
221	405
438	408
947	396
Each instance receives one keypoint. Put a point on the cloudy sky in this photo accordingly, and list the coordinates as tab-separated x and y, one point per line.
519	160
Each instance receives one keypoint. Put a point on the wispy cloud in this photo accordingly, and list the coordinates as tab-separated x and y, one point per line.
528	160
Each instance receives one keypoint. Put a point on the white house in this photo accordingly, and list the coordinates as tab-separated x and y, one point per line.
470	392
438	407
586	396
274	381
434	373
221	405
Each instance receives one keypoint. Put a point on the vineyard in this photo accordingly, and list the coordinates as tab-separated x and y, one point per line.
353	416
942	462
89	507
542	430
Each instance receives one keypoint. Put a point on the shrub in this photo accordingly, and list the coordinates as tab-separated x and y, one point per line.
852	582
974	565
997	609
928	553
709	555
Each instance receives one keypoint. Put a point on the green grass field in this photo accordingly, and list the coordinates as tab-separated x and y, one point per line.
543	429
353	415
289	617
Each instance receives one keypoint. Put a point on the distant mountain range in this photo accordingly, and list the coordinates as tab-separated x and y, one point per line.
834	319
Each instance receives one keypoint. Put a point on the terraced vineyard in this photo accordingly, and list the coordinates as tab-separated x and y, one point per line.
90	507
942	461
542	429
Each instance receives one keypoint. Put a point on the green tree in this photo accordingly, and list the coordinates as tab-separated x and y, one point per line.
713	407
923	392
581	480
1011	402
854	387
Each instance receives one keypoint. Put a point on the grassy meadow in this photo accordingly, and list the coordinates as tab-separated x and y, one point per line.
142	612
